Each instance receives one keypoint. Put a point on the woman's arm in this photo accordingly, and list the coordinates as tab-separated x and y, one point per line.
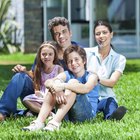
119	66
112	80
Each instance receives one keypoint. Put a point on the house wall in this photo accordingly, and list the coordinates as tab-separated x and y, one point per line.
33	28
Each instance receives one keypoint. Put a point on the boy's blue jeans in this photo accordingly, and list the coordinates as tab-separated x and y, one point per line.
20	85
82	109
107	106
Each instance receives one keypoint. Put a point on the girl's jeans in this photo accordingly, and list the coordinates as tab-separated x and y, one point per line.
20	85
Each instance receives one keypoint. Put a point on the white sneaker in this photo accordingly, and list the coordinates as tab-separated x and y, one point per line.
35	125
52	126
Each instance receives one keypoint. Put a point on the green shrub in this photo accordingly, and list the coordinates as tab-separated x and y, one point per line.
7	27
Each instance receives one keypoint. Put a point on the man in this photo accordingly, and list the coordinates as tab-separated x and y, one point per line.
21	83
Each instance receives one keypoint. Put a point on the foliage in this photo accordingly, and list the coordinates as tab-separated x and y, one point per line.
7	26
127	91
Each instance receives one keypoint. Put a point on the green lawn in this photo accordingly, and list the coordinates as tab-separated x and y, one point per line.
128	94
17	58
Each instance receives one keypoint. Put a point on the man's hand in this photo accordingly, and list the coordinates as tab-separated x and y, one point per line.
19	68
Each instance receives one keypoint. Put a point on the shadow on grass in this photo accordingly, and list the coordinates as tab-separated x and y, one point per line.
6	74
6	71
132	68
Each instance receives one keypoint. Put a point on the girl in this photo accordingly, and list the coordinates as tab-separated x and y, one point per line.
46	68
81	106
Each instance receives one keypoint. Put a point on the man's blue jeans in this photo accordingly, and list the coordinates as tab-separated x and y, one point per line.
20	85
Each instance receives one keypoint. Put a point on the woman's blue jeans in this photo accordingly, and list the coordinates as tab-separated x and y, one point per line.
107	106
20	85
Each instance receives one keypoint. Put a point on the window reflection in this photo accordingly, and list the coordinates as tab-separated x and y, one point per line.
120	13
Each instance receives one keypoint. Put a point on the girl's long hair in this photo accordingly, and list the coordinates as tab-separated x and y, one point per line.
39	64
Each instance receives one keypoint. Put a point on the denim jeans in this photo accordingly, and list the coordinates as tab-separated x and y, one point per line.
20	85
82	109
107	106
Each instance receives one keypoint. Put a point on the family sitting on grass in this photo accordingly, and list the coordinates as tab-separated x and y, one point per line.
69	93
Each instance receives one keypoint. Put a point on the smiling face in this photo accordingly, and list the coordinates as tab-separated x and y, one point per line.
76	64
47	55
62	36
103	36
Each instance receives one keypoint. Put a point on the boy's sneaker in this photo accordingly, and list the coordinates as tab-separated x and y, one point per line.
118	113
35	125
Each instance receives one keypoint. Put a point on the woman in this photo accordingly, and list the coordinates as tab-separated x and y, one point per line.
109	67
